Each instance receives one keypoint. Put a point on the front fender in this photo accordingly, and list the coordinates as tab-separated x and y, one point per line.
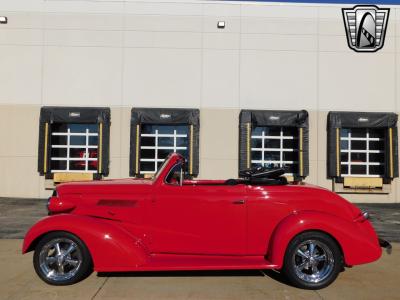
357	240
112	247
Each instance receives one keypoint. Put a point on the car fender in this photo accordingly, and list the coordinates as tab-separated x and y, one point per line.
111	246
357	240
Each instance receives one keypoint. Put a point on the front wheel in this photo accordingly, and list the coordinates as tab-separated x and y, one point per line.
61	258
313	260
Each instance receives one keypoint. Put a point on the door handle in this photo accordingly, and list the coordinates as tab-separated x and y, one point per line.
238	202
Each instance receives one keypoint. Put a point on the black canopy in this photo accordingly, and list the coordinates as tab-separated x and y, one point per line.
77	115
250	119
382	120
165	116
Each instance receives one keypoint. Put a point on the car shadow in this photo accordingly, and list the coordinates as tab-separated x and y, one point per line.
275	275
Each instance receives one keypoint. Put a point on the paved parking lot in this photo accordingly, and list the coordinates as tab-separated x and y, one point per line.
379	280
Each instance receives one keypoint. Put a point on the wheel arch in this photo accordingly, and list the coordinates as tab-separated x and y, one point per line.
109	245
351	240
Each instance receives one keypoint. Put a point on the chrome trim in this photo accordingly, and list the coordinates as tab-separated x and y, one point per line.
365	214
60	259
313	261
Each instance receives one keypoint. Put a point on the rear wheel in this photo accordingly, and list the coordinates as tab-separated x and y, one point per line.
313	260
61	258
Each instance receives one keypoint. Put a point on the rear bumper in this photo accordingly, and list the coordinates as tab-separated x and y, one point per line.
385	244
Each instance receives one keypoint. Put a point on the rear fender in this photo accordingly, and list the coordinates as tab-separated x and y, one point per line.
358	241
110	245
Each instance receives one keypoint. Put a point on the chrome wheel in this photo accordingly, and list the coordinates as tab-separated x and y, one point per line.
60	259
313	261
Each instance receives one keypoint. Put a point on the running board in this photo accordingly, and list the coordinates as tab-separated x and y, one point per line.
173	262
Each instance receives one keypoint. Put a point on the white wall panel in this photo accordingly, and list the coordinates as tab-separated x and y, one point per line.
279	25
82	38
218	9
163	23
278	80
292	42
185	8
22	19
82	6
83	21
220	78
221	40
21	37
354	81
275	10
155	77
21	74
157	39
82	76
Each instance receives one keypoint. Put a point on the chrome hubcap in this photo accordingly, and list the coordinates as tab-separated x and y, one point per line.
60	259
313	261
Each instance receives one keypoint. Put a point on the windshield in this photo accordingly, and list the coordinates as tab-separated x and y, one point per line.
159	171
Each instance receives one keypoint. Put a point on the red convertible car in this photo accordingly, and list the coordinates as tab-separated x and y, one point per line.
169	223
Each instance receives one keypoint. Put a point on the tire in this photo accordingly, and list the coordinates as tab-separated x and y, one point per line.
318	270
61	258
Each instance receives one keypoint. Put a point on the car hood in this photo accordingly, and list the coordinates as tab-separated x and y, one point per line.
102	185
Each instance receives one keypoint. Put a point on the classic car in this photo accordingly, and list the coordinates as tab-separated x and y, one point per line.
172	223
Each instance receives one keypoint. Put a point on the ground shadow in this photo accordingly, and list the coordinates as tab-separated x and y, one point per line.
275	275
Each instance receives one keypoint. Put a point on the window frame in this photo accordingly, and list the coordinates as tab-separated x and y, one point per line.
385	121
169	117
281	137
251	119
156	146
52	115
87	134
367	152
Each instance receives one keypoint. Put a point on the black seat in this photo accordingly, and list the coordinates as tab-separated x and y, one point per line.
262	172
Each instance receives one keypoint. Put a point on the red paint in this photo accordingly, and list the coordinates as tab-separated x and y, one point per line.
144	225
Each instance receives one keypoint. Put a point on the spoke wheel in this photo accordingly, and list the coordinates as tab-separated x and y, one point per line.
312	260
61	258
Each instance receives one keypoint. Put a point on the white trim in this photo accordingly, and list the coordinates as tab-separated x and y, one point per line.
174	148
73	133
281	150
85	147
367	139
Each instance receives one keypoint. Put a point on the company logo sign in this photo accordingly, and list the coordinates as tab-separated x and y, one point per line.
365	27
165	116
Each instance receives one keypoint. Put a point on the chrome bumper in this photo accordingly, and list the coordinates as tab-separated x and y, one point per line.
385	244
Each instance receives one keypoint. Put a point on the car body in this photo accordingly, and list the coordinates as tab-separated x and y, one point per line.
170	223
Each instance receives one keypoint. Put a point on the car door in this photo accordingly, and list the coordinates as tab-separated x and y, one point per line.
199	219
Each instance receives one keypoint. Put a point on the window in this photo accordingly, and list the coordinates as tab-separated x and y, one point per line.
157	132
275	146
74	148
175	175
157	141
362	152
274	139
362	149
74	140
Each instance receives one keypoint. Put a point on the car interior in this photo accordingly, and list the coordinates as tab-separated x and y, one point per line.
252	176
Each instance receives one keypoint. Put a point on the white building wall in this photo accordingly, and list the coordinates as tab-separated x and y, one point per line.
125	54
